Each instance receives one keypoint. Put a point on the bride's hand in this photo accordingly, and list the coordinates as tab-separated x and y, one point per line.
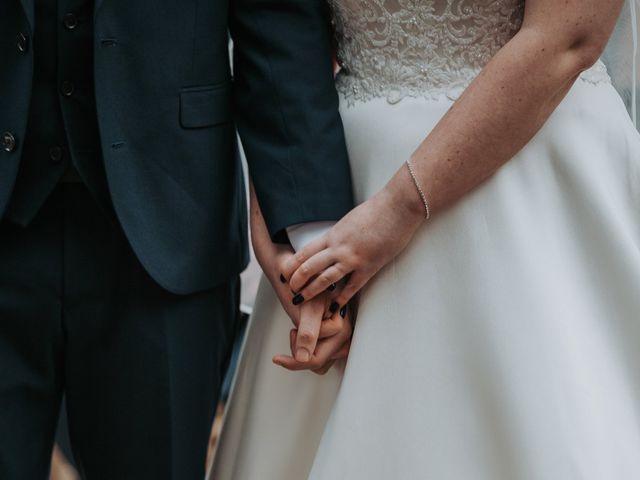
359	245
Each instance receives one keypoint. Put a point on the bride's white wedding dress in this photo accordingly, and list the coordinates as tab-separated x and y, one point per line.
504	343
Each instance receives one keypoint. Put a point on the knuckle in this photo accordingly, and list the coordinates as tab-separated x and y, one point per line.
305	336
343	296
350	252
299	257
351	286
303	270
338	271
282	264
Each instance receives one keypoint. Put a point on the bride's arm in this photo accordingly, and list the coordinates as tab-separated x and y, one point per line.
496	116
512	97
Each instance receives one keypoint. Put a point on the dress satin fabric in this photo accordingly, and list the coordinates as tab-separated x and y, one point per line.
502	344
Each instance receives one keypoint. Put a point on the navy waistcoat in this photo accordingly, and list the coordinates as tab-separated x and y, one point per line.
62	131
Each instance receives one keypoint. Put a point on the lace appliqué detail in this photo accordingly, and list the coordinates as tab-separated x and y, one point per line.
597	74
421	48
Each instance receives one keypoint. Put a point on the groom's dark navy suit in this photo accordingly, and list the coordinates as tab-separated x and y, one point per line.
123	211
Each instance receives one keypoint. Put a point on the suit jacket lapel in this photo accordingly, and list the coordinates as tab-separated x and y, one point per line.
27	6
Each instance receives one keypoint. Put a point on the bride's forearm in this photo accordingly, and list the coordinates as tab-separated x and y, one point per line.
508	102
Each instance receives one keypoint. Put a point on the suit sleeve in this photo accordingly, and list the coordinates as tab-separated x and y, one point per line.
286	109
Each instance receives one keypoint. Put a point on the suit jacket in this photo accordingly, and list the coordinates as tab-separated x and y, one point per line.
168	109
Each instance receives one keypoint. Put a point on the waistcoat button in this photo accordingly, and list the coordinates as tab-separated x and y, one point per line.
8	142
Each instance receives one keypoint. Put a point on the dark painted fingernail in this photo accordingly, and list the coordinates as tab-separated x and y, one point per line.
331	287
343	311
298	299
334	307
282	279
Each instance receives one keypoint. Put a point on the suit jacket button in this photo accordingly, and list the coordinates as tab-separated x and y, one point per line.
23	43
70	21
8	142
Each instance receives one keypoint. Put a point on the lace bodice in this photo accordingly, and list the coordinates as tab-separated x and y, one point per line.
398	48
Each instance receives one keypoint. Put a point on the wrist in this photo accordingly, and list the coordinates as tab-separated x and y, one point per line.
404	197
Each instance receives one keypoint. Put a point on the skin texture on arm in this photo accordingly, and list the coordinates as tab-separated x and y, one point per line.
513	96
497	115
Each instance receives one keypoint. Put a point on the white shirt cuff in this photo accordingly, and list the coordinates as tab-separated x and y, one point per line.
302	234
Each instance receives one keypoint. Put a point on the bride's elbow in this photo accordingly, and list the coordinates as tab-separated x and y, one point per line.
568	54
585	50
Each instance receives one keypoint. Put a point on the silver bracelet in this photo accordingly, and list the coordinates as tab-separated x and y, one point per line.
427	211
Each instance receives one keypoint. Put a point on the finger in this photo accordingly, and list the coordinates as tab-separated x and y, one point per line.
288	362
327	348
324	351
357	280
307	336
284	295
293	334
298	258
325	369
331	275
310	268
332	326
343	352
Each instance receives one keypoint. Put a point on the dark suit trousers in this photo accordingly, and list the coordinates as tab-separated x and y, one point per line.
140	367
